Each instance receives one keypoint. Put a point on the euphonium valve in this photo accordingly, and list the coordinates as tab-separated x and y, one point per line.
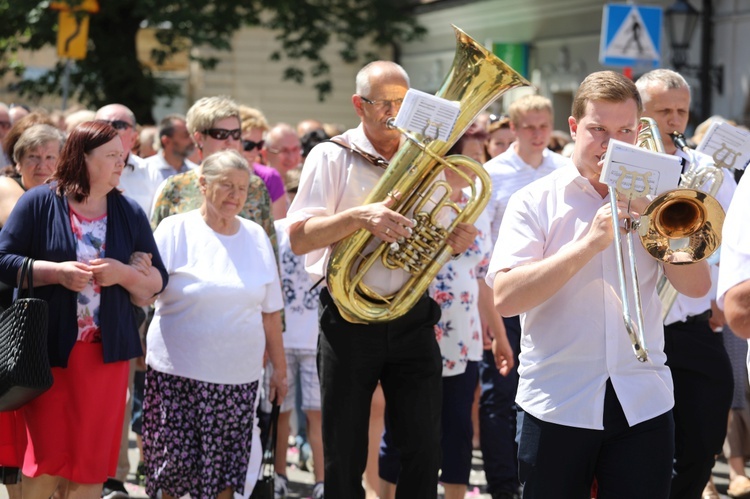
413	178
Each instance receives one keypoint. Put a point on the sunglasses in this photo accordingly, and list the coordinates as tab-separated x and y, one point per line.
249	145
120	124
223	133
494	118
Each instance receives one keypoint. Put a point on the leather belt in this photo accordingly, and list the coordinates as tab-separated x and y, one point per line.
704	317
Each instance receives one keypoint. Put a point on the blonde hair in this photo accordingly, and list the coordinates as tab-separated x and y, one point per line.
528	103
208	110
606	86
252	118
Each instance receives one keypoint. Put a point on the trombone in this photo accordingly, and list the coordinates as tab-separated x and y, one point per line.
679	227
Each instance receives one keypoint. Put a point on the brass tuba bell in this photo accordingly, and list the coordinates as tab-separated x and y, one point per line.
476	78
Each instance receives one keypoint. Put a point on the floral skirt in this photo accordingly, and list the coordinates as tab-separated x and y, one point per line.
197	436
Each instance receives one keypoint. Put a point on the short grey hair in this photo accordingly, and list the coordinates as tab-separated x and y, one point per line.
34	137
208	110
672	80
362	82
217	164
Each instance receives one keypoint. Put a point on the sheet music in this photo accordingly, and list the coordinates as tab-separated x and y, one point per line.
428	115
637	172
727	144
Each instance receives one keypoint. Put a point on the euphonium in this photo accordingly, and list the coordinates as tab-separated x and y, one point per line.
475	79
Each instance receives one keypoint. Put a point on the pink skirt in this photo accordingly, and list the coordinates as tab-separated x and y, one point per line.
73	430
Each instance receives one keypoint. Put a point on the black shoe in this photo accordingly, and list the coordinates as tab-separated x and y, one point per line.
140	474
114	489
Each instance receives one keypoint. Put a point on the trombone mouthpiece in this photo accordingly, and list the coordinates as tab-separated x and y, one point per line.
390	123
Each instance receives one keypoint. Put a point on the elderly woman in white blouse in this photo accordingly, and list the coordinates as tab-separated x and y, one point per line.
205	344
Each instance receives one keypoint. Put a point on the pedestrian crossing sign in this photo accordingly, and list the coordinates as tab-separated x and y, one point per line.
631	35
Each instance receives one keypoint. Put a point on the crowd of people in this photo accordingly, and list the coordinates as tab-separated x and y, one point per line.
185	267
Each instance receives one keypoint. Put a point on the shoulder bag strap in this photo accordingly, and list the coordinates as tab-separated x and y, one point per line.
370	158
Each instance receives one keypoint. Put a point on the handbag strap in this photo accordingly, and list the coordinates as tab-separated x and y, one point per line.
274	429
27	275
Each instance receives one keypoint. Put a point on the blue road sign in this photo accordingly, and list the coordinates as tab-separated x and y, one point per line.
631	35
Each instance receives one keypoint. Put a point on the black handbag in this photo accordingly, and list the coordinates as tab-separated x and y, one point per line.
24	362
264	486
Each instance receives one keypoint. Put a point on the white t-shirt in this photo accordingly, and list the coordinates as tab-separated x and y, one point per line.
208	324
576	340
137	184
300	301
509	173
685	306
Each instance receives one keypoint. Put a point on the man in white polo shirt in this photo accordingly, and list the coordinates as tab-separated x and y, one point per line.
591	409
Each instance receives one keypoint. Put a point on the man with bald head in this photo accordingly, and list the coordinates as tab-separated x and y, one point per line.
135	181
403	353
307	126
282	149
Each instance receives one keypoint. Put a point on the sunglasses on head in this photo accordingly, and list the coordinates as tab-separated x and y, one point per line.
223	133
120	124
249	145
494	118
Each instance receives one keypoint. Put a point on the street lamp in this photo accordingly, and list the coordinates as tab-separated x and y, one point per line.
682	19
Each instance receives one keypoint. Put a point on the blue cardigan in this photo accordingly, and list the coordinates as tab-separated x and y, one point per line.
39	227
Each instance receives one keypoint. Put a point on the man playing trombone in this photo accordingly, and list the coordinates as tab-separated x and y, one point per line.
590	408
696	356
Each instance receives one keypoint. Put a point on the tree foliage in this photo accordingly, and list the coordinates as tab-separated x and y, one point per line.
111	71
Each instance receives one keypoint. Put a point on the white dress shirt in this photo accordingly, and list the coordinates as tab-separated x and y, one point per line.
136	183
509	173
335	179
576	340
685	306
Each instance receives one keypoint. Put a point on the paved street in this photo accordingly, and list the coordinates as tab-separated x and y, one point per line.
301	482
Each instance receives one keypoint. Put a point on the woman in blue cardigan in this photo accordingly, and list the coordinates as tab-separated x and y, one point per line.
94	256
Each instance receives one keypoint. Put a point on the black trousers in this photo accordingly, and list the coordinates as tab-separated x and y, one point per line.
404	356
703	385
560	462
497	416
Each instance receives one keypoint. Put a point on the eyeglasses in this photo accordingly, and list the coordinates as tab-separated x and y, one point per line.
223	133
249	145
120	124
382	104
285	150
5	124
